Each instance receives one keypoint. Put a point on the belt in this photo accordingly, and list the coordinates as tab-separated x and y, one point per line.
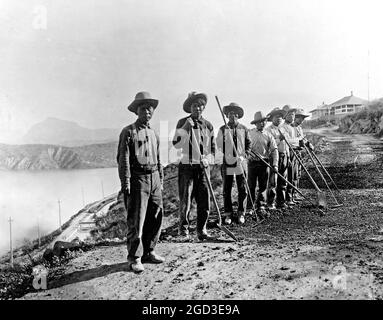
144	170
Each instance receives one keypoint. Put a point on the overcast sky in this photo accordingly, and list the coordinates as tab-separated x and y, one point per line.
94	55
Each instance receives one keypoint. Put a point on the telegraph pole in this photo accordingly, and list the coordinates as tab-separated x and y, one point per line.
368	77
10	240
83	198
38	232
59	202
102	189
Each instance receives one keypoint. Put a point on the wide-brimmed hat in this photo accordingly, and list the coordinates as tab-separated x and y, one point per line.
193	96
301	113
274	112
142	97
288	109
233	107
259	116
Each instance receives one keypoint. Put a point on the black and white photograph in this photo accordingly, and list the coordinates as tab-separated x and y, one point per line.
213	152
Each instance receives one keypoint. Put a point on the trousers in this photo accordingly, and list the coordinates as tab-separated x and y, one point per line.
144	213
227	179
258	174
192	183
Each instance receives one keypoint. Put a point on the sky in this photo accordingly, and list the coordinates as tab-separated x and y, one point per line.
84	61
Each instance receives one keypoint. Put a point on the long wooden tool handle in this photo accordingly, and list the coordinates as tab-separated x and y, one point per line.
283	178
236	152
324	169
300	162
208	181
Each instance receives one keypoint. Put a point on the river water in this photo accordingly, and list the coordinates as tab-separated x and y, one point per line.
32	199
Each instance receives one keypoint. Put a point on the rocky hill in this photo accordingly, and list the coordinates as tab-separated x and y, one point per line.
67	133
369	120
47	157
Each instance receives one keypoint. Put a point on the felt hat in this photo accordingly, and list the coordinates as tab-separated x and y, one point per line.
301	113
287	108
276	111
258	116
142	97
233	107
193	96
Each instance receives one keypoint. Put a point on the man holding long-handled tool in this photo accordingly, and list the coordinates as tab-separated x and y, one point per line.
277	185
195	137
292	168
262	143
300	116
234	142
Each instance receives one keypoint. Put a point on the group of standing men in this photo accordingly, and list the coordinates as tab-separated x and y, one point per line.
141	173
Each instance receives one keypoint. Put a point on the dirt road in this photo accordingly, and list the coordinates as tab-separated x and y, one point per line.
296	256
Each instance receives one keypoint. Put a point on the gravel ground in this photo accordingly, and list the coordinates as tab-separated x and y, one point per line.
296	255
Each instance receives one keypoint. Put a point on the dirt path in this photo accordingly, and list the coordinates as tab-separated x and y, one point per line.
296	256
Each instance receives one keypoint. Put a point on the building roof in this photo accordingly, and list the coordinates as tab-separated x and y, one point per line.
321	107
349	100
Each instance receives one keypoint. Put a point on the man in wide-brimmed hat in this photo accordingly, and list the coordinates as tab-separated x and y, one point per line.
292	167
300	116
141	175
277	186
194	136
262	143
234	142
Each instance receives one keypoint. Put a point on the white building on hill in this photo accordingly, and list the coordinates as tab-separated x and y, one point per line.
339	108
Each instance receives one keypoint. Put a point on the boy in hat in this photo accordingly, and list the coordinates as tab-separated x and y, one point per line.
277	186
234	157
195	137
141	175
291	137
263	143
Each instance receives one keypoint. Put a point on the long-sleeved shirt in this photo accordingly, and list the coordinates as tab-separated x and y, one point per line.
196	143
238	134
274	131
264	144
138	151
291	134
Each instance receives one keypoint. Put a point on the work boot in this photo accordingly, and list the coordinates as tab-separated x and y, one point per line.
183	234
152	257
271	207
290	203
135	264
204	236
227	219
261	212
241	217
282	206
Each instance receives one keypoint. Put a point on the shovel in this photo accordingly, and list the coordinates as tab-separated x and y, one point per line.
322	203
219	224
242	169
324	169
337	204
288	182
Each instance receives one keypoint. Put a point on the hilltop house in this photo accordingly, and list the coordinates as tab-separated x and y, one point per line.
339	108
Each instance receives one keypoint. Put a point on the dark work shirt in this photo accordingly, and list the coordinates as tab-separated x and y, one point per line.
241	140
203	138
138	149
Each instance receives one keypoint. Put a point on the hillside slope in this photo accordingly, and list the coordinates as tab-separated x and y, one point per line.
47	157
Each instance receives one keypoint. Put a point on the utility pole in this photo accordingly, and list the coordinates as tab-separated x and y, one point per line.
10	240
59	202
83	198
102	189
368	77
38	232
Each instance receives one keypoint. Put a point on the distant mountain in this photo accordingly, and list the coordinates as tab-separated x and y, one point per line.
67	133
48	157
